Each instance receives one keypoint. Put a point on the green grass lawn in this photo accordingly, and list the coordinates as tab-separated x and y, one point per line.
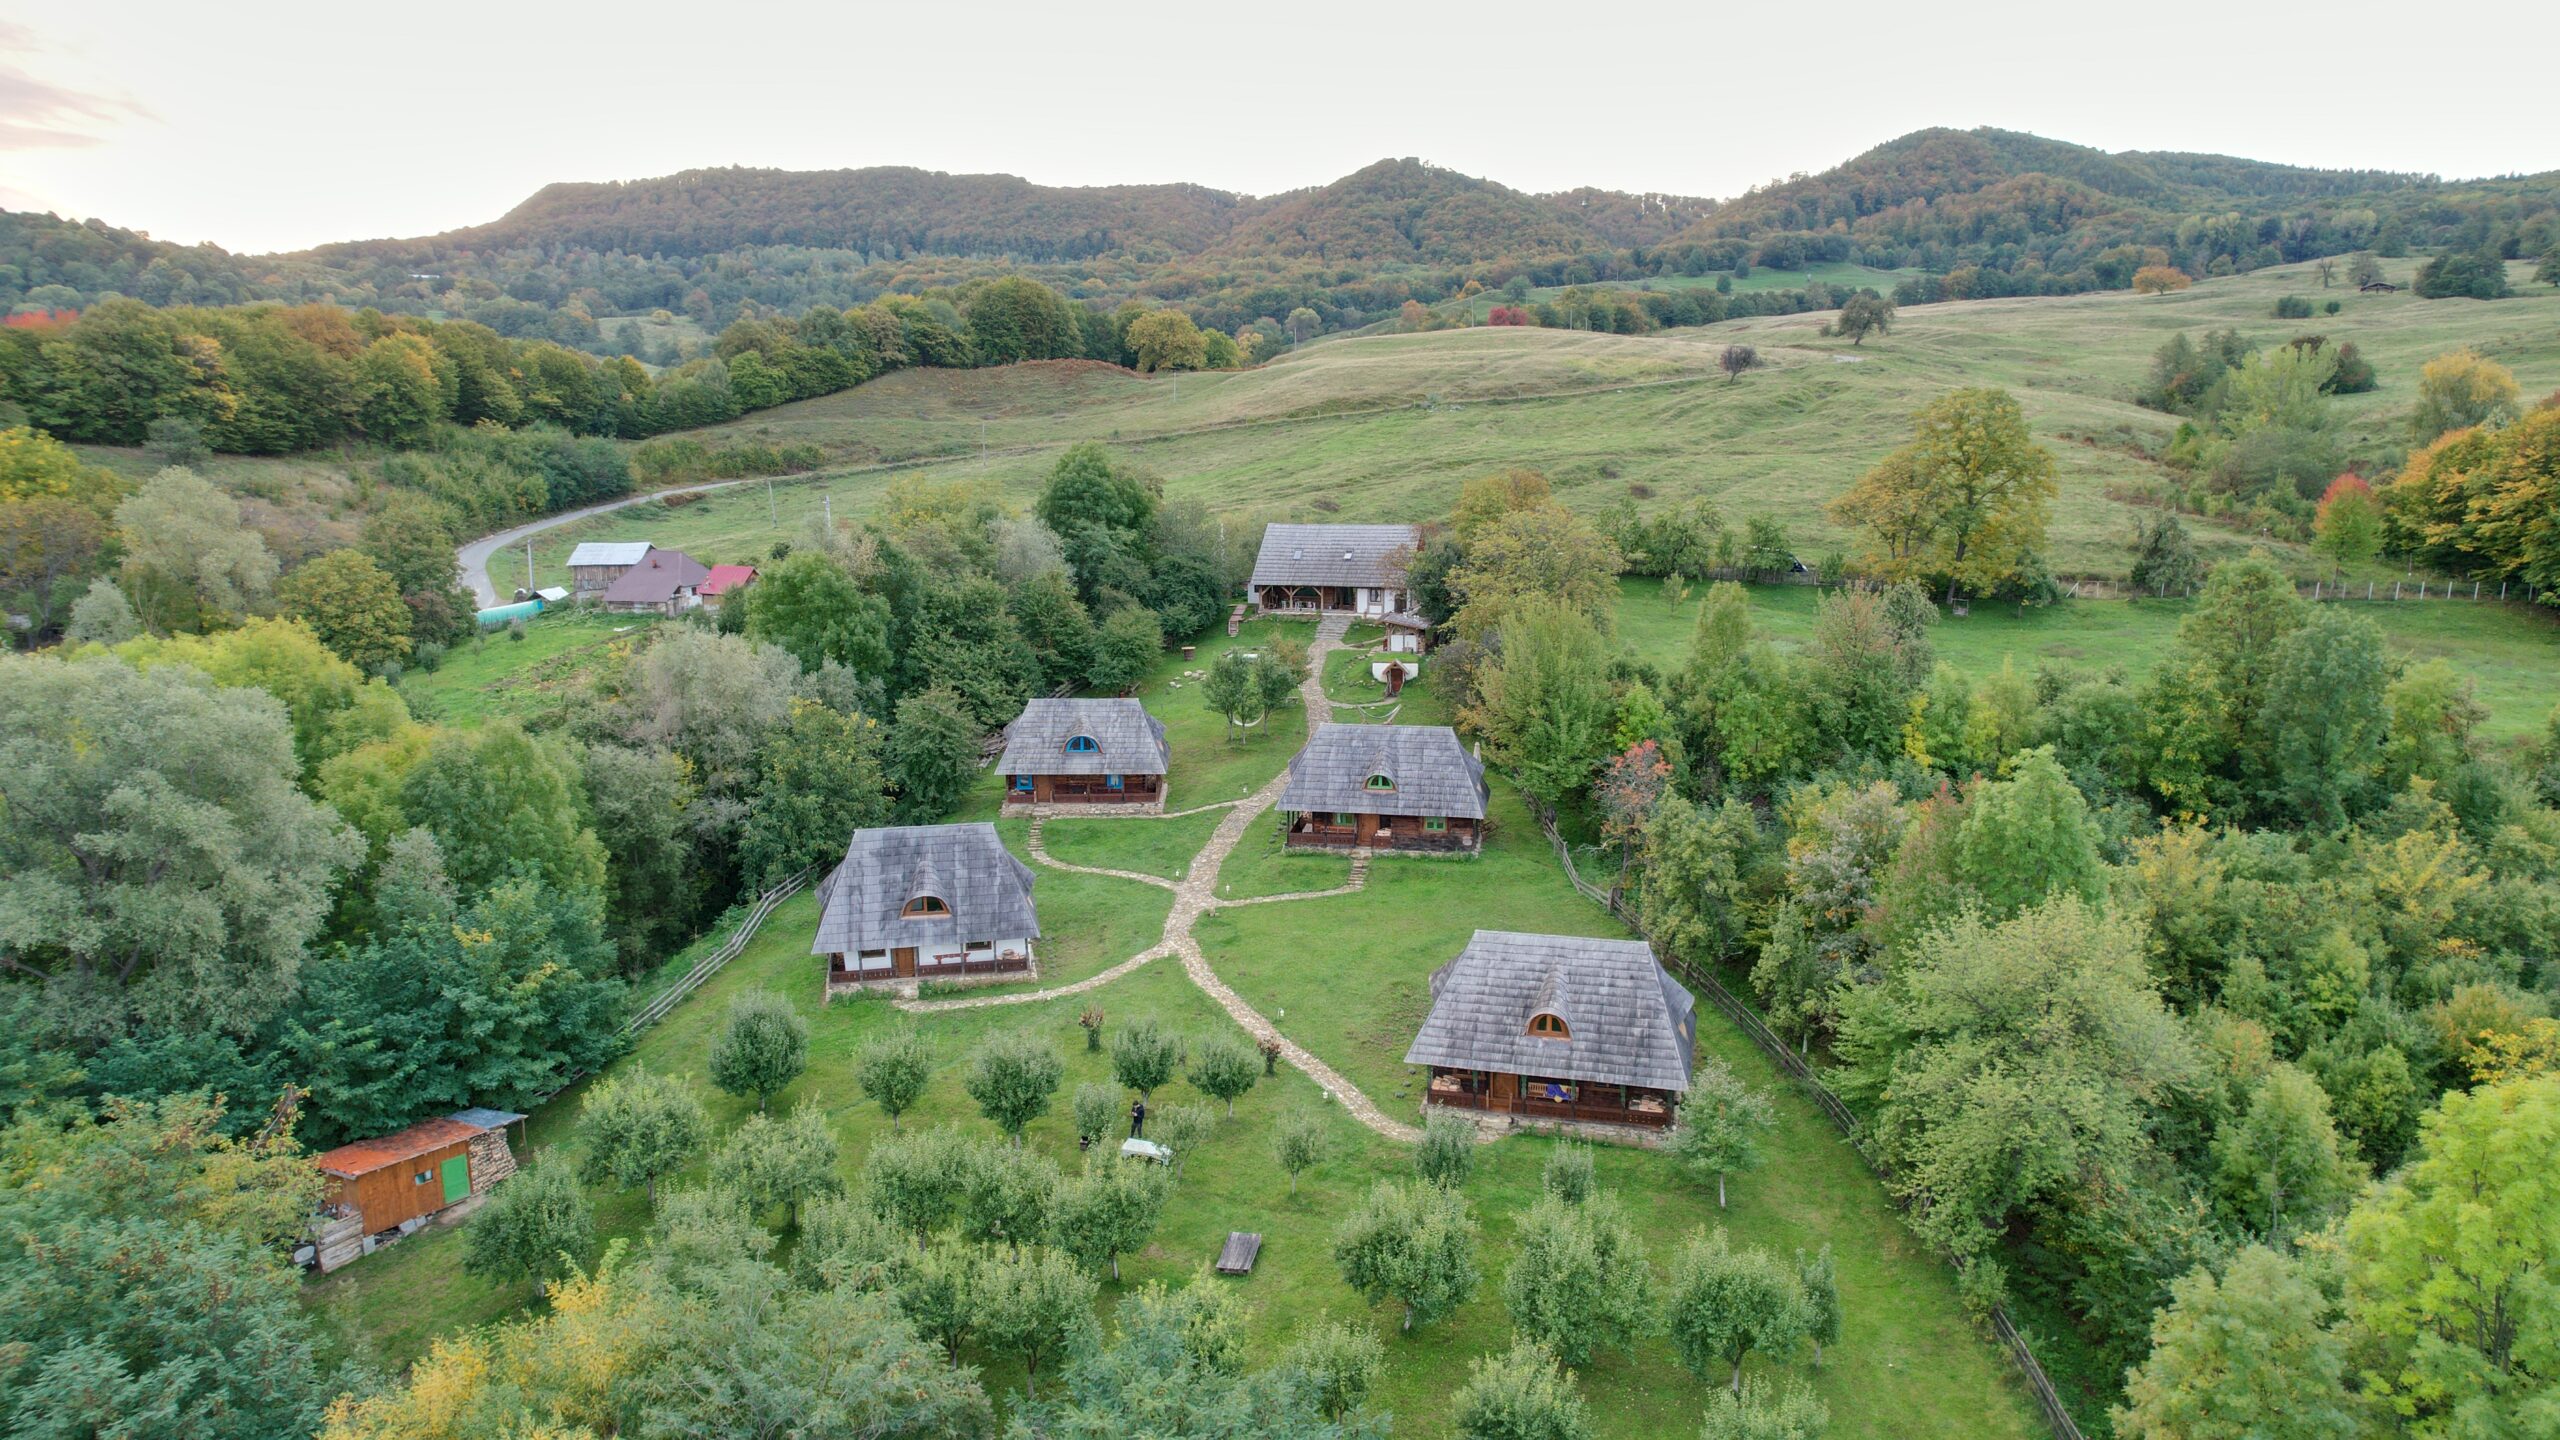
491	675
1261	865
2510	653
1146	845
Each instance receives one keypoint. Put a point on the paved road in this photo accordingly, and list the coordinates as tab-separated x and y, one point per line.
475	556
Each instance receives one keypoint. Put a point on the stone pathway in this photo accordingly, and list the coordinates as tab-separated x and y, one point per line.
1193	897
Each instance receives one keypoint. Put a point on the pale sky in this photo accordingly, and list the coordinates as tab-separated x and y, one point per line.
264	126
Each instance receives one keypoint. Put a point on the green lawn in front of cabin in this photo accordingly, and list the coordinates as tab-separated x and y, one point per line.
1148	845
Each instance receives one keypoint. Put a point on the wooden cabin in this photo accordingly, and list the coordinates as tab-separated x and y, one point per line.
1084	752
596	564
1558	1030
1329	569
925	902
1385	788
398	1182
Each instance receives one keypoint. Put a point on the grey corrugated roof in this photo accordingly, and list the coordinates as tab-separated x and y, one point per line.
485	1118
609	552
1131	740
656	579
965	866
1332	554
1434	774
1631	1023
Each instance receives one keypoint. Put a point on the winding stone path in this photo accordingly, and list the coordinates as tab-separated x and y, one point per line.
1194	896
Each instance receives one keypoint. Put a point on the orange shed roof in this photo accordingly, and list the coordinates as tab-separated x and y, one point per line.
363	1157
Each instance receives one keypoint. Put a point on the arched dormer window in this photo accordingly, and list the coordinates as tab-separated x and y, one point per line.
1082	745
925	905
1382	782
1545	1026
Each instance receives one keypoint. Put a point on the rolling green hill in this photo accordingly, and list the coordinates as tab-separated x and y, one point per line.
1388	427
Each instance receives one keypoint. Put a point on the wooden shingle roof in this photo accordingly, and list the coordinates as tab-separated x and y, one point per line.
1127	740
1432	773
1630	1022
987	892
1333	554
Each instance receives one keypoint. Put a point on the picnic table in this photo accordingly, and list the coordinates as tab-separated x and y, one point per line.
1238	1256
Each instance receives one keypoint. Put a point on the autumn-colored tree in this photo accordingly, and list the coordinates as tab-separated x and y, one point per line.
1965	501
1628	792
1485	499
1167	340
2159	280
2349	527
352	604
2461	389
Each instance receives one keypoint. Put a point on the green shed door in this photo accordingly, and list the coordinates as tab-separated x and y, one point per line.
457	1178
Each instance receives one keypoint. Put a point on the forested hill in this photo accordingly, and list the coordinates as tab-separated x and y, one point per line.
892	211
1409	211
1939	197
1976	213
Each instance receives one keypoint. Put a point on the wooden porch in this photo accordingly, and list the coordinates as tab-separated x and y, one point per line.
1315	831
1084	790
1533	1097
850	972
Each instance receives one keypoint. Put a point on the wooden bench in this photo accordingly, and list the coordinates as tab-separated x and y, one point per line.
1238	1256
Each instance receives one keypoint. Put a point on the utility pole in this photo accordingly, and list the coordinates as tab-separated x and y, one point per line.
829	501
772	515
528	569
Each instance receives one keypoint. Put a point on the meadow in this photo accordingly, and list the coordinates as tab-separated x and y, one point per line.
1388	427
2510	653
1344	976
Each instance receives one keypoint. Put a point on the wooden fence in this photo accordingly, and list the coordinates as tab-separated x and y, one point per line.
709	965
2039	1385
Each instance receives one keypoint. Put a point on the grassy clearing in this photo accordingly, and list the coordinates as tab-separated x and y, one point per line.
2510	653
1147	846
491	675
1261	865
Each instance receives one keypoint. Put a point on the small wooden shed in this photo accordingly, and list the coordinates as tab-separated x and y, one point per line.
399	1181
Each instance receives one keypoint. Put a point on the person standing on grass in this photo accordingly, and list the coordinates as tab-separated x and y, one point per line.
1137	1117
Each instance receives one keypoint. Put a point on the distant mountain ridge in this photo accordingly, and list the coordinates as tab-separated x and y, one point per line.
1977	212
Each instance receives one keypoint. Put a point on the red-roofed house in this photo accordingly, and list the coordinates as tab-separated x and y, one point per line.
725	578
664	582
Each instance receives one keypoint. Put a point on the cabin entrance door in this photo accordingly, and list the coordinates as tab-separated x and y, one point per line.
457	1179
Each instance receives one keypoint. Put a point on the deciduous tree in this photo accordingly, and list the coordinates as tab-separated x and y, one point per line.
762	1048
636	1127
538	1225
1725	1303
1579	1278
2247	1355
1413	1242
1223	1067
1013	1075
1721	1123
1522	1395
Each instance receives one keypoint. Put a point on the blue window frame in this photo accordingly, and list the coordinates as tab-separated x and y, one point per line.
1022	783
1114	782
1081	745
